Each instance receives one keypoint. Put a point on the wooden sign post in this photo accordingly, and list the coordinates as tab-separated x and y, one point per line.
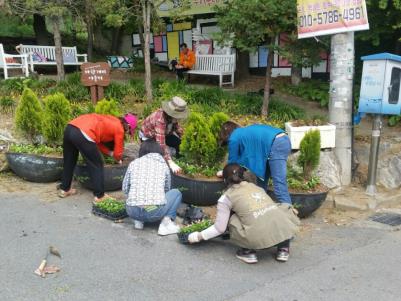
96	76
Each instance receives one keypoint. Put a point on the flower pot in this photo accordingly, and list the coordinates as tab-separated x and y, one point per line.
297	133
35	168
305	203
183	238
113	176
199	192
111	216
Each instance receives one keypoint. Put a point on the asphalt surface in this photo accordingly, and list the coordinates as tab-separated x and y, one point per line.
102	260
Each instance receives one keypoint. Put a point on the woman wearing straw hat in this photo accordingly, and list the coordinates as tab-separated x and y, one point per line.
162	126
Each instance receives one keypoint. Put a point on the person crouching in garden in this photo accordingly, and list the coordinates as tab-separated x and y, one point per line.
162	126
87	134
262	149
147	186
254	220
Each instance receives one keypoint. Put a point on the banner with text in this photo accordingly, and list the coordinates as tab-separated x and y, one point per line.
324	17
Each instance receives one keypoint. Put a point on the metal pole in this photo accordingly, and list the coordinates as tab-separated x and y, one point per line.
340	107
374	155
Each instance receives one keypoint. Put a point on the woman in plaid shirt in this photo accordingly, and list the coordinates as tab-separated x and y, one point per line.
162	126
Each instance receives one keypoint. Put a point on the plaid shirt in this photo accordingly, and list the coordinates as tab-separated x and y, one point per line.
155	127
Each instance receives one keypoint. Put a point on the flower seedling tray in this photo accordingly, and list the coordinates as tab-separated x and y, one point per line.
183	238
99	210
195	227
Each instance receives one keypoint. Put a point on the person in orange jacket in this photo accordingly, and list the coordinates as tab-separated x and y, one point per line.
87	134
187	61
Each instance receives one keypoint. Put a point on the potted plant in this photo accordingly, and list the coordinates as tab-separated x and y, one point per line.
201	158
40	161
110	208
297	129
306	191
113	173
194	227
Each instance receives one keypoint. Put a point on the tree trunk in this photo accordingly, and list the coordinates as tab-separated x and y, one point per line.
89	29
266	94
296	75
43	37
146	7
59	52
242	65
115	42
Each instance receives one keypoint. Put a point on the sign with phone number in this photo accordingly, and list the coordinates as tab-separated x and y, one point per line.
324	17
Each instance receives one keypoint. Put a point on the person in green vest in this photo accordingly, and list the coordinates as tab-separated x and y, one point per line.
253	219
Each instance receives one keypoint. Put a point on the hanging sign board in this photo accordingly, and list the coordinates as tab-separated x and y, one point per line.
325	17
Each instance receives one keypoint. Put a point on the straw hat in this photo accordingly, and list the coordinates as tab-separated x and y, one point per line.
176	108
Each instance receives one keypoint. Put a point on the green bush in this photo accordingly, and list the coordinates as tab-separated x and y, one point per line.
81	108
72	88
7	104
107	107
56	115
28	117
309	152
12	86
119	91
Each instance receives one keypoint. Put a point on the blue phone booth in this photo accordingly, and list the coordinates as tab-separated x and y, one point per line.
380	85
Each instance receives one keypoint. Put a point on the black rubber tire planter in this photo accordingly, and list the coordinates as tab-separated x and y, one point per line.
35	168
113	176
198	192
305	203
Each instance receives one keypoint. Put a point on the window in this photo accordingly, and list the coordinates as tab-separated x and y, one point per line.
394	88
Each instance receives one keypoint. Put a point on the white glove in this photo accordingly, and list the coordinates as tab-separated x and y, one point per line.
194	237
174	167
219	174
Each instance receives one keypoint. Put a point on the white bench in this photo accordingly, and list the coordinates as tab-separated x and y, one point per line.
215	64
46	55
12	61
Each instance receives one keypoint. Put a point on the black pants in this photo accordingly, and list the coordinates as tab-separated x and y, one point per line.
74	143
174	141
180	71
284	245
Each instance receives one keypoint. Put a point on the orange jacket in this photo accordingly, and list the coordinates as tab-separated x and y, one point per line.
101	129
188	59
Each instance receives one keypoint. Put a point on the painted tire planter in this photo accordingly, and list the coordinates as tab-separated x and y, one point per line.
35	168
305	203
113	176
198	192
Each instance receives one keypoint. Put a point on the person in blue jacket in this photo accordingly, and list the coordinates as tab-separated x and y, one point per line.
263	150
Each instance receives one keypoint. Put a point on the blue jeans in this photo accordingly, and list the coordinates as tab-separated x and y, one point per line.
277	169
173	197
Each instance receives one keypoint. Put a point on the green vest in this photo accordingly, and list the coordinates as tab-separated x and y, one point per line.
258	222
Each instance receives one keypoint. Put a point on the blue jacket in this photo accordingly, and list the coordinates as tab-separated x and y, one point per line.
250	147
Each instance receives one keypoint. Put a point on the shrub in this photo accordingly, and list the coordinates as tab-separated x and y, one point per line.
198	145
119	91
28	117
72	88
309	152
7	104
81	108
107	107
56	114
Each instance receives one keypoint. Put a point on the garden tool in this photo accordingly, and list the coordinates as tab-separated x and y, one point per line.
51	250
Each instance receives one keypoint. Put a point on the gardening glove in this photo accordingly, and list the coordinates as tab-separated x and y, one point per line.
194	237
219	174
174	167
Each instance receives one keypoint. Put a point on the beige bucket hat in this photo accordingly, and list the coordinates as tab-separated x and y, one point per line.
176	108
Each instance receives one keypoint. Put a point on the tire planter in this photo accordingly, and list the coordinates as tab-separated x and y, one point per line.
305	203
113	176
198	192
35	168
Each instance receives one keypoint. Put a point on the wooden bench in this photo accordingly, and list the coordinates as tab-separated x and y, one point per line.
46	55
215	64
12	61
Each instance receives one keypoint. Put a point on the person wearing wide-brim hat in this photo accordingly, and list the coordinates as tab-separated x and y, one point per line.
162	126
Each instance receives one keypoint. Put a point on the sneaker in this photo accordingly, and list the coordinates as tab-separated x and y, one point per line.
138	224
282	255
167	227
246	255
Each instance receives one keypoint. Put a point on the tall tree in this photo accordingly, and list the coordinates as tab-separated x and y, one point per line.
251	23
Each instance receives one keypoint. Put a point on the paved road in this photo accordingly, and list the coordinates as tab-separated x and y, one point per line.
108	261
